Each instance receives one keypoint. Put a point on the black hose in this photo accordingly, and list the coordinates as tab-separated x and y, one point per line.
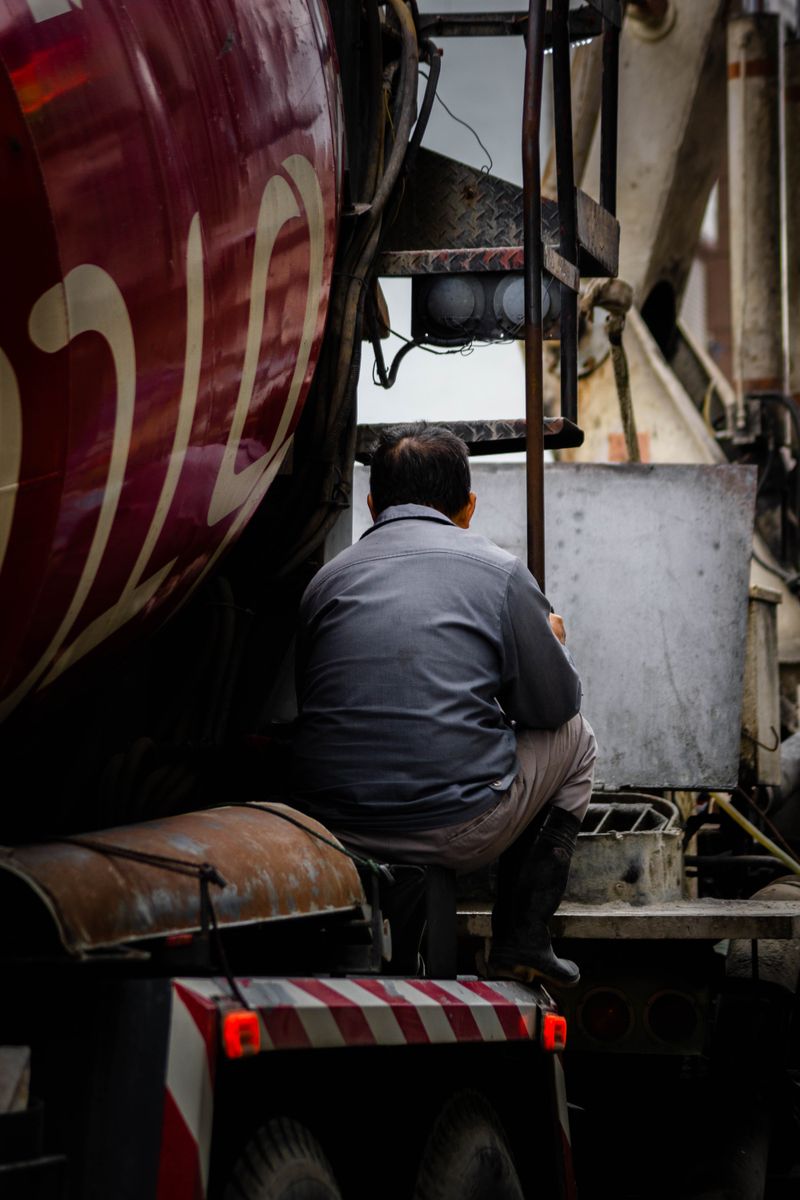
434	56
386	378
338	423
409	63
376	130
389	378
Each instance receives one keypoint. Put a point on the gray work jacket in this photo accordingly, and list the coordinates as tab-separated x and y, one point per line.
416	647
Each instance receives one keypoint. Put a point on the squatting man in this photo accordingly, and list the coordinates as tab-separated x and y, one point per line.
439	706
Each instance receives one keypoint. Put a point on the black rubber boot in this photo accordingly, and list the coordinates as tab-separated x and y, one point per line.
532	879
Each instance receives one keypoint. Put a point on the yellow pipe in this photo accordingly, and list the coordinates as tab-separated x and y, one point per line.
786	859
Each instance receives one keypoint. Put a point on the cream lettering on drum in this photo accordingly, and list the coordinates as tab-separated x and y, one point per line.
166	286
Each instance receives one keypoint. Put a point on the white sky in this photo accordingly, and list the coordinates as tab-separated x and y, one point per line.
482	82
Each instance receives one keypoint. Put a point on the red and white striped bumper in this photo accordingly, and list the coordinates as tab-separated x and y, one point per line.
300	1013
297	1014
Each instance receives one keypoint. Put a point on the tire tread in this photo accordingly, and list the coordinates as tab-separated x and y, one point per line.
464	1113
270	1154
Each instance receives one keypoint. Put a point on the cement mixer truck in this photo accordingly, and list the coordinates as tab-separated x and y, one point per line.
203	994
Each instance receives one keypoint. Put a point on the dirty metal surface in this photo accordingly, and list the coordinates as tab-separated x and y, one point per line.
699	920
272	870
585	22
649	567
480	258
443	262
777	962
630	848
598	238
449	206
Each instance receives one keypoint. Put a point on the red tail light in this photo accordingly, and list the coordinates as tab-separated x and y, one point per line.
554	1032
241	1033
606	1015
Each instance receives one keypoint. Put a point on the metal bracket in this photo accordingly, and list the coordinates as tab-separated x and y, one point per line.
610	9
565	271
584	23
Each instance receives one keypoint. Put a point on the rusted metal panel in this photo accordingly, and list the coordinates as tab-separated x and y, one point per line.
272	871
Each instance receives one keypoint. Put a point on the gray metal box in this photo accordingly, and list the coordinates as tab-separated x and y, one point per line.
649	565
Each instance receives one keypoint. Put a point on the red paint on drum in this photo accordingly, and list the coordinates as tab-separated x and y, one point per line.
146	145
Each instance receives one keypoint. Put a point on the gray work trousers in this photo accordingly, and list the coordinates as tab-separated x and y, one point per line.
555	767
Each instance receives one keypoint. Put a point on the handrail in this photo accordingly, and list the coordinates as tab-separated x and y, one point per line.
532	227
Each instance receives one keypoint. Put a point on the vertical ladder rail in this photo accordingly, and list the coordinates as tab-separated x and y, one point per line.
567	206
532	231
609	117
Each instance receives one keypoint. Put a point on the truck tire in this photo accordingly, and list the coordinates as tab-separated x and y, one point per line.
283	1161
467	1156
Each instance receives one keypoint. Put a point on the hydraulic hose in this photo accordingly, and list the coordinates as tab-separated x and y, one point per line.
434	57
409	64
339	428
785	859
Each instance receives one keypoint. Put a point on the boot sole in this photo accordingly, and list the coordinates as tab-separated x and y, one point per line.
530	975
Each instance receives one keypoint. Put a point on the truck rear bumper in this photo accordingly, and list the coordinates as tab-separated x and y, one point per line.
327	1013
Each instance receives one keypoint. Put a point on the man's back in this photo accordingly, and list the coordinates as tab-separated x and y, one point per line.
408	640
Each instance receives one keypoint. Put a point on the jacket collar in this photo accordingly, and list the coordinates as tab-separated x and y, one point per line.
409	512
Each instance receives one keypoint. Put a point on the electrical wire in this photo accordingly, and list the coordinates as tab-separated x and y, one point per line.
460	121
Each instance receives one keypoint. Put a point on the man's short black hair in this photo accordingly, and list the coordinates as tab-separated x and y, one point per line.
420	464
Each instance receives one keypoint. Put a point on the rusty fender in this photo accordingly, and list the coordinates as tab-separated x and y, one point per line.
93	900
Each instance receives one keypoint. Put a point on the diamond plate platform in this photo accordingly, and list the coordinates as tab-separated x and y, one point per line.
477	218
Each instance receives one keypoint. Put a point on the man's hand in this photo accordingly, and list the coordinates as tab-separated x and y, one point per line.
557	626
